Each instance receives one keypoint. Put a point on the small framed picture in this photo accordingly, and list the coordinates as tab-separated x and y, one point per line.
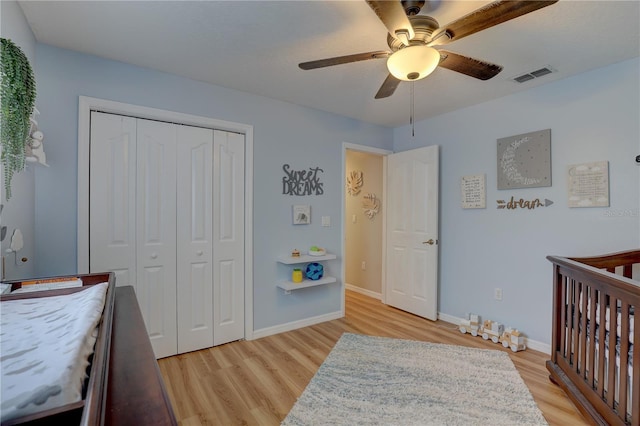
301	214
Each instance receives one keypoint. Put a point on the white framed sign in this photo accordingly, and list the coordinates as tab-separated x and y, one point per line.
301	214
589	184
474	192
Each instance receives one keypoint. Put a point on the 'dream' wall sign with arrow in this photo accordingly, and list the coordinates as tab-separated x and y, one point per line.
513	204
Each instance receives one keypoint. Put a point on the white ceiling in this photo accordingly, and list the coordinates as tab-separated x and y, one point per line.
255	46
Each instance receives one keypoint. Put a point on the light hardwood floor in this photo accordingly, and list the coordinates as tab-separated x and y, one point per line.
257	382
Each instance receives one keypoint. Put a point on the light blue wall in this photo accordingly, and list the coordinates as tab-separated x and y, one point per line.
19	211
283	134
593	116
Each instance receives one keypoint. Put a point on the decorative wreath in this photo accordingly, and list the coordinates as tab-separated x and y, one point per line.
370	205
354	182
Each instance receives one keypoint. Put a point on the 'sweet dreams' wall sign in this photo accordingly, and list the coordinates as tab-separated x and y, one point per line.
302	182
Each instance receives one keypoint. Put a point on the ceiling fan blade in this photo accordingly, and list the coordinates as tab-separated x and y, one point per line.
486	17
321	63
393	16
468	66
388	87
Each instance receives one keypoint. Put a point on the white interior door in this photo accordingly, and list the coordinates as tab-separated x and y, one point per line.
112	186
228	236
195	238
156	233
412	231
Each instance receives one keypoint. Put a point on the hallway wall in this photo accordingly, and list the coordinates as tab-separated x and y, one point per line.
363	236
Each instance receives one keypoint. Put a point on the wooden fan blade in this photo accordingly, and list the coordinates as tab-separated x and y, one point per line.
486	17
393	16
468	66
321	63
388	87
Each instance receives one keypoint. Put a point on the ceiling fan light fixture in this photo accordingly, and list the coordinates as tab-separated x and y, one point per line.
413	62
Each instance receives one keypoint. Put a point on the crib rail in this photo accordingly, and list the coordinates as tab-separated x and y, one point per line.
593	358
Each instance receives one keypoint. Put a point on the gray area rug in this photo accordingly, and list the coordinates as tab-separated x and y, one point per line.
383	381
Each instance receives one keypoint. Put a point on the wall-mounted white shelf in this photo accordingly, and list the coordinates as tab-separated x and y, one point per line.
305	258
290	285
287	286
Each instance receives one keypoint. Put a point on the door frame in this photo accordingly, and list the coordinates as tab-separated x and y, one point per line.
370	150
87	104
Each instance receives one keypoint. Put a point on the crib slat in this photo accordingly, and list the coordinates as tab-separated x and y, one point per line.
592	336
602	303
557	304
624	358
572	350
582	362
611	370
569	335
635	362
563	317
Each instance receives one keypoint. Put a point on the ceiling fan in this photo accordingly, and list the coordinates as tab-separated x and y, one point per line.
412	39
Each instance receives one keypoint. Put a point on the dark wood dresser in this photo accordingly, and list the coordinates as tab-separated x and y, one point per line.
124	386
135	392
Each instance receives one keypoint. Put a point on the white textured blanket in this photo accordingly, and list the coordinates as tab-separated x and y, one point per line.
45	344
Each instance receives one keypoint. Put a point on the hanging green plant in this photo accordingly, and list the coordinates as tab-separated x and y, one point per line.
18	96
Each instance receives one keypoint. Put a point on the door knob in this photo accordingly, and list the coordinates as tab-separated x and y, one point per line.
430	241
154	255
199	252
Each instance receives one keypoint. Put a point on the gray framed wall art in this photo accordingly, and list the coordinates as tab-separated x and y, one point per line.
524	161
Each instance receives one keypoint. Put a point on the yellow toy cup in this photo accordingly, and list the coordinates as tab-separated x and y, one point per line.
296	275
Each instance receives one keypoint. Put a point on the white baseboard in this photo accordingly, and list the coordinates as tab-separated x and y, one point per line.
294	325
531	344
364	291
449	318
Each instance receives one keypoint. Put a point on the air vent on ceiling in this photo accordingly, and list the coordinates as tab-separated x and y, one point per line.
533	74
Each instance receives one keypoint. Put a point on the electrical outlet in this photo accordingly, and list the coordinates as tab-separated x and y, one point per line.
364	265
497	293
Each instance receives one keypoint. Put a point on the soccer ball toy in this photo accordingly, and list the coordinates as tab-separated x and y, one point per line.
314	271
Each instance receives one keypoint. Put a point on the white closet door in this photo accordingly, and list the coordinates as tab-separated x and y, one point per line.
228	236
156	233
167	216
195	239
112	189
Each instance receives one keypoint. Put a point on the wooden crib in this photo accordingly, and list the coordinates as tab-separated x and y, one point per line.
594	302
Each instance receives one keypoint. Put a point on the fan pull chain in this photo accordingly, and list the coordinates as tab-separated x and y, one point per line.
412	109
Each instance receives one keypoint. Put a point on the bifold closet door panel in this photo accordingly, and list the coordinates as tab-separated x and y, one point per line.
228	236
195	238
112	192
167	216
156	232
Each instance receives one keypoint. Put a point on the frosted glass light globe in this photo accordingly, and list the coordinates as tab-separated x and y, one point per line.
413	62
